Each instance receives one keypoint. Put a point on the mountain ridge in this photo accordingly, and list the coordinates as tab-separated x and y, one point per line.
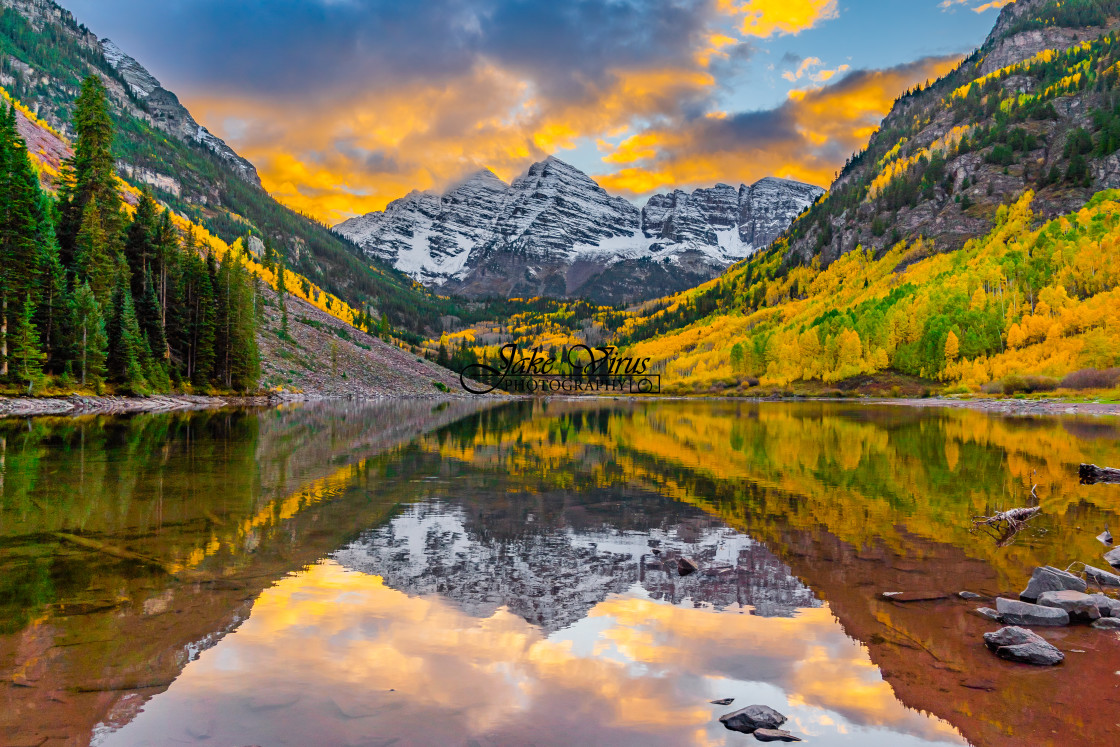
171	116
554	231
916	179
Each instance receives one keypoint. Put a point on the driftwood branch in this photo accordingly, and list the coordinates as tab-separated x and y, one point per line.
1002	526
1091	474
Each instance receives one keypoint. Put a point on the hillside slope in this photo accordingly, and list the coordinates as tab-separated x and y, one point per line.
1033	108
44	55
965	244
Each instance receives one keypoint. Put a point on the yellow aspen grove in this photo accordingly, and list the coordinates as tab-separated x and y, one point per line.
952	347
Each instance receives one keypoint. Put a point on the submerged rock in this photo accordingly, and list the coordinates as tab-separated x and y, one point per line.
774	735
1107	623
1049	578
722	701
1024	646
1023	613
1104	578
915	596
751	718
1081	607
686	566
989	613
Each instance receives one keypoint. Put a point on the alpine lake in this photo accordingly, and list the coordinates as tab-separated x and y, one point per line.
467	573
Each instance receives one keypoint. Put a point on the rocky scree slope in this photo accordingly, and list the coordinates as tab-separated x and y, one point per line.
1034	108
325	357
555	232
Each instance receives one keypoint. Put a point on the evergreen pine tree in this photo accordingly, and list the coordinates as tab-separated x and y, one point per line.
51	314
26	355
243	370
128	354
167	261
91	341
93	172
94	261
20	198
139	243
200	322
281	292
150	316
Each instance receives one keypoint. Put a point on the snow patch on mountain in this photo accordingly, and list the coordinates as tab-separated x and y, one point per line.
554	215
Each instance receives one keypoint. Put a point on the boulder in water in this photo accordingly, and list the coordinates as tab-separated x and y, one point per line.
1024	646
1081	607
1023	613
751	718
1049	578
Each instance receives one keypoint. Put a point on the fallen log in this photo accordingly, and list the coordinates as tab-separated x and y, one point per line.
1091	474
1002	526
116	552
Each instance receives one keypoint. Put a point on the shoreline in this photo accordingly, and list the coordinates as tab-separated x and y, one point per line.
75	404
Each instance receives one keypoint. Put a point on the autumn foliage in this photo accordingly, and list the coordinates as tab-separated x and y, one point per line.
1021	300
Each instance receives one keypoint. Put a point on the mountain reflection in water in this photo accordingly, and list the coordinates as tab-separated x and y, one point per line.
338	657
408	574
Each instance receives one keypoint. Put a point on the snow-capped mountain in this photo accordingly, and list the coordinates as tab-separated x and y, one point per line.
554	231
168	114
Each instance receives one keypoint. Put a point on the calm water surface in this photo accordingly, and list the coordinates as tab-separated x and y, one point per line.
410	574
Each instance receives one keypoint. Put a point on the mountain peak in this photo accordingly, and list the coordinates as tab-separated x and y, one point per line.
554	230
484	178
142	83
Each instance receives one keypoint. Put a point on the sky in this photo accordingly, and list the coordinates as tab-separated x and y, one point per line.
345	105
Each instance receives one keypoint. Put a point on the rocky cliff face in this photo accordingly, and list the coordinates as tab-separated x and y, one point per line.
555	232
169	115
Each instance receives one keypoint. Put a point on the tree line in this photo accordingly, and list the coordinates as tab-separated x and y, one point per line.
91	295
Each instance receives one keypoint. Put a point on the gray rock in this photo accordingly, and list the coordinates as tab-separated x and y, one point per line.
1024	646
1022	613
1105	537
969	595
1104	578
774	735
1113	557
1107	623
751	718
722	701
1049	578
989	613
1081	607
1107	606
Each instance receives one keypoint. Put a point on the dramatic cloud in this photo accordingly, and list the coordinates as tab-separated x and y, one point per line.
807	138
765	18
814	69
978	6
345	105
